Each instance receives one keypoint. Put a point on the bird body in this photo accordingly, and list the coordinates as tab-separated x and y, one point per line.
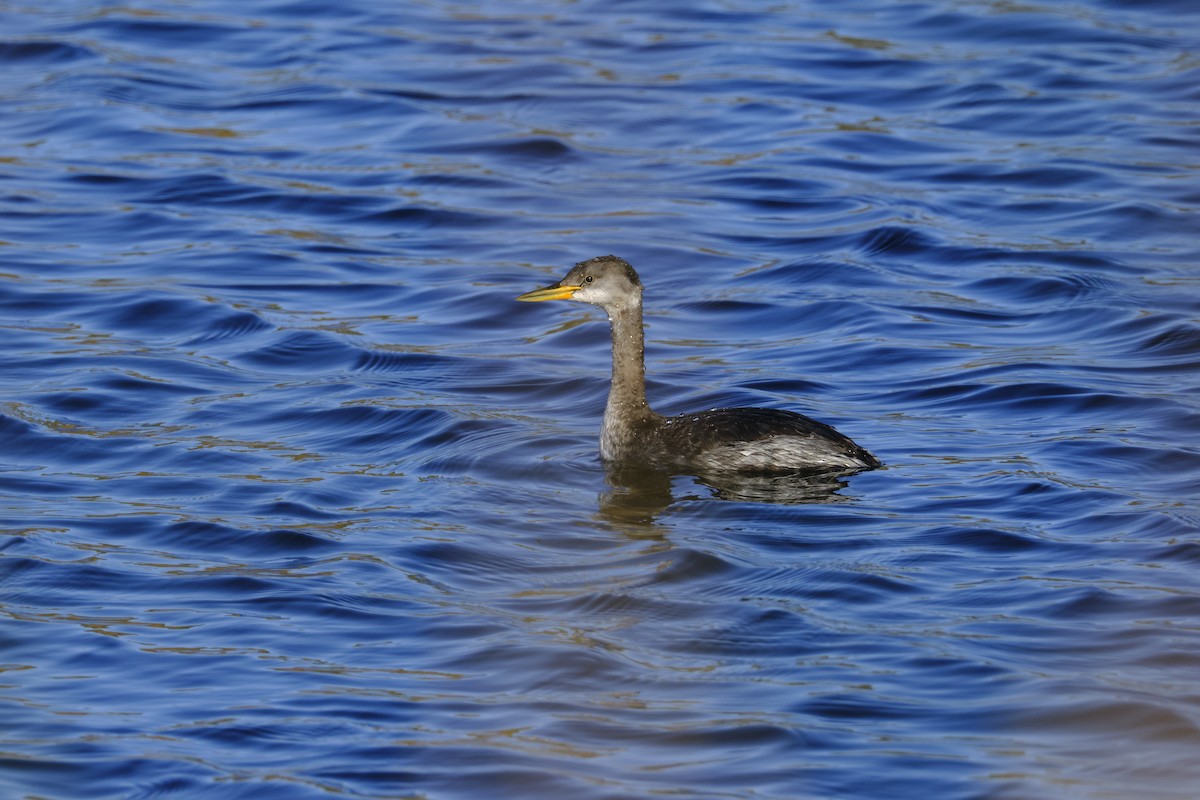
758	440
719	440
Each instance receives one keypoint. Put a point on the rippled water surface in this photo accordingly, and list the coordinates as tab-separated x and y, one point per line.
297	502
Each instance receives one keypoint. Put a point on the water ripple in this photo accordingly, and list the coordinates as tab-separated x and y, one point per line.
277	441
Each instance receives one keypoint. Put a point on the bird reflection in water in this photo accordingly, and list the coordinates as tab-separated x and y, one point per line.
638	494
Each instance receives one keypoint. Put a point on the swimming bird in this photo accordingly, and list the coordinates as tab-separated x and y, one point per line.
720	440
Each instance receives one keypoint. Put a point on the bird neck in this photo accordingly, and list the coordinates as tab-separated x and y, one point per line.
627	395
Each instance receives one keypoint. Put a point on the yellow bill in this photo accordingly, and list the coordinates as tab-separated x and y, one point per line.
555	292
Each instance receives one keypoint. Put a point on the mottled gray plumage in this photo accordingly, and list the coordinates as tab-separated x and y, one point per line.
721	440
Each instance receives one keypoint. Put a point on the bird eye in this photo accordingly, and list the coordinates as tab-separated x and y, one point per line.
588	279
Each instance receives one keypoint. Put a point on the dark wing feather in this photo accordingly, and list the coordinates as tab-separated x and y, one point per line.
688	434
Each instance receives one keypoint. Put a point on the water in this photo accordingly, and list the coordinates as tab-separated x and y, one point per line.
299	503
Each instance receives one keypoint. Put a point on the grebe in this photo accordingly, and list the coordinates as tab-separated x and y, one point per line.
720	440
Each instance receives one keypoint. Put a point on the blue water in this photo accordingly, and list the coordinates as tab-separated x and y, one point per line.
298	502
